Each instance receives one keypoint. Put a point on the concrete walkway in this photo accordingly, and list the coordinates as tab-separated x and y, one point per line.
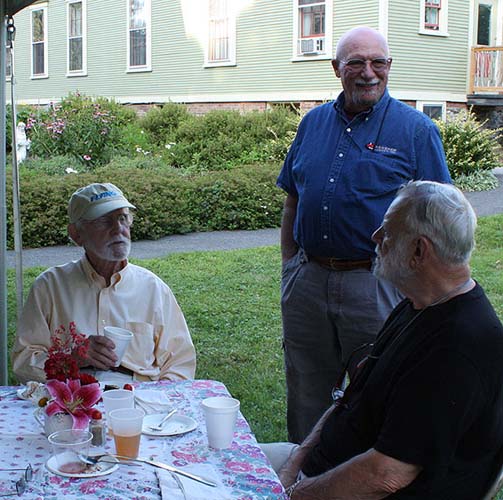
484	203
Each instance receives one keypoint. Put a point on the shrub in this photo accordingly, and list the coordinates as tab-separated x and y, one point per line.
85	128
55	165
168	201
221	139
469	146
161	123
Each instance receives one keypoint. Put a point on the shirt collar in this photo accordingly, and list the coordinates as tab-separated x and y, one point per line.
381	104
93	277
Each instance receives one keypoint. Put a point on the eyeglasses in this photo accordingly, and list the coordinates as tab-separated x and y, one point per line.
109	221
357	65
21	483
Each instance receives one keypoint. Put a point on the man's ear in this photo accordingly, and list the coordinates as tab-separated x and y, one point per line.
421	250
74	234
335	65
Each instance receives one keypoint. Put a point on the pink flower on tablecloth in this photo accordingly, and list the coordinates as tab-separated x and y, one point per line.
238	466
191	458
72	398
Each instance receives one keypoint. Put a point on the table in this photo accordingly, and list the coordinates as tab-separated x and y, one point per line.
243	469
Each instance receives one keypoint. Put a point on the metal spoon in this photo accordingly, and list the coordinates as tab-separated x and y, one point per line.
160	427
93	460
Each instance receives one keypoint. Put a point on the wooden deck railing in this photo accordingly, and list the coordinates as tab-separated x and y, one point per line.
486	70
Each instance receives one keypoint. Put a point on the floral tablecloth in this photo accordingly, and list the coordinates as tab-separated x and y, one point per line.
243	469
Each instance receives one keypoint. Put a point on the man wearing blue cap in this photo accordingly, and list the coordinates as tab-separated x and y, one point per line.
103	289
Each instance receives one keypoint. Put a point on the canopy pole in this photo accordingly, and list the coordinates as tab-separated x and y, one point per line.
16	204
3	208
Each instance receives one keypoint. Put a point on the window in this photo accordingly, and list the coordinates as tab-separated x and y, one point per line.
435	110
138	35
39	42
76	16
433	17
221	34
313	30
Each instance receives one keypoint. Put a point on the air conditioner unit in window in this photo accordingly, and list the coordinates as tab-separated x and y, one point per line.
311	46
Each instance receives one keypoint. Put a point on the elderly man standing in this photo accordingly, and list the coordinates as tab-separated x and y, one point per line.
423	415
342	171
102	289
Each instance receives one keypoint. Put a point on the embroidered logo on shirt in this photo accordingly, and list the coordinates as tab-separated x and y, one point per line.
380	149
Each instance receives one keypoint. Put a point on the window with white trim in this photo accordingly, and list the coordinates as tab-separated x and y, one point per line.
313	28
39	42
221	50
433	17
435	110
76	30
138	41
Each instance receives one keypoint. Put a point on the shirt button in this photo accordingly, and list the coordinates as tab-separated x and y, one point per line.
348	129
325	208
366	118
332	180
341	155
325	237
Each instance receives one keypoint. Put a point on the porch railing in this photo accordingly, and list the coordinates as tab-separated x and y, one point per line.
486	70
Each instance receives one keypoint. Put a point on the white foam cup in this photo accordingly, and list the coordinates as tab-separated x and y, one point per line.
221	415
121	338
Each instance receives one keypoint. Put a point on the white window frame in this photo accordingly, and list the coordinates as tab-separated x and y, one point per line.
83	70
329	17
231	32
442	21
43	8
148	27
421	104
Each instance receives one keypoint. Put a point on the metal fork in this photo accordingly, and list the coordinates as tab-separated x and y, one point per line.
160	427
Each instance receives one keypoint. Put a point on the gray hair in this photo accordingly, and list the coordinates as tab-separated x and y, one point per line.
441	213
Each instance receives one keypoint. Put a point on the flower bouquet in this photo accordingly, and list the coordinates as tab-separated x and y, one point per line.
71	392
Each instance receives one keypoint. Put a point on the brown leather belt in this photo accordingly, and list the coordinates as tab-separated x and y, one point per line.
341	264
123	369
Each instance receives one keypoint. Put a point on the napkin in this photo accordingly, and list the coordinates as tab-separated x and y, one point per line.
192	490
152	401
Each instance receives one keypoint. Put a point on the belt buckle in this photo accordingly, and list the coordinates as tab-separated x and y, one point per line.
333	262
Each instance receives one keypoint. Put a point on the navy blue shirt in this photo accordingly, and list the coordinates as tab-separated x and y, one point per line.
345	173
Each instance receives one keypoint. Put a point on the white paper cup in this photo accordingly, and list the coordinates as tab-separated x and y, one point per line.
121	338
126	428
117	399
67	446
220	414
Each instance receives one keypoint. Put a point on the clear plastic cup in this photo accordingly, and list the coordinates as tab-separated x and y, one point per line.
67	447
126	428
116	399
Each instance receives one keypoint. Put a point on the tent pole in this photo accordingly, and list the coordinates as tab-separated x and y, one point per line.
16	204
3	207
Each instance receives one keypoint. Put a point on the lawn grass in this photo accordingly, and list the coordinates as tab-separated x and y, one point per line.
231	303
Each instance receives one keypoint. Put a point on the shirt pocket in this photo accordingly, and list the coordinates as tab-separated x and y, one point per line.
141	351
380	173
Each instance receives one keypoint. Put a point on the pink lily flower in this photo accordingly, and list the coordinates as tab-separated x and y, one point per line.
72	398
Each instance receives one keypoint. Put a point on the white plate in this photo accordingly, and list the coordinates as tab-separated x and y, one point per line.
177	424
100	469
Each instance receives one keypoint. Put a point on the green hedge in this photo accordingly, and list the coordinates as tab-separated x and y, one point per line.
167	201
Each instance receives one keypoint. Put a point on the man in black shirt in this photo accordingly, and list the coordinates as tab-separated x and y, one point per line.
423	415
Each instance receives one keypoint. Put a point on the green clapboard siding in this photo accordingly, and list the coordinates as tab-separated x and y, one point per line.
264	52
426	62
